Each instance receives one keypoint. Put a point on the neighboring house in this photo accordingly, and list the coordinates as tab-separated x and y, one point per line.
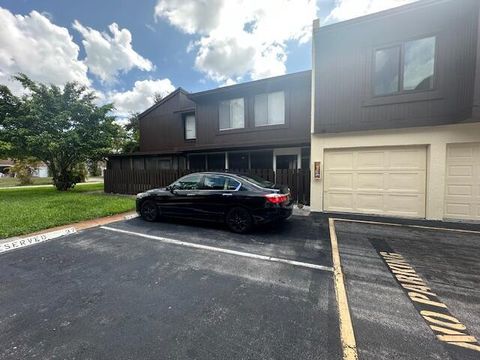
5	165
262	124
396	122
41	171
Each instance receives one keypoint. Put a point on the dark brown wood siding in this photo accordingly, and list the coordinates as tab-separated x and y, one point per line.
344	56
162	129
296	129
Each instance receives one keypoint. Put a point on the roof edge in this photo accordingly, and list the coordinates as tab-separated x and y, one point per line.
247	84
380	14
166	98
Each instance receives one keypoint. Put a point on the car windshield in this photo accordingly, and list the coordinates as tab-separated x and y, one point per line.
257	180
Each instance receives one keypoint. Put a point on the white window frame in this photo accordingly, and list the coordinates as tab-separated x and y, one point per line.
230	101
186	120
267	104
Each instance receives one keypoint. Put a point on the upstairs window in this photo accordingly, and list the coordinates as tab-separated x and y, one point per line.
405	68
190	128
270	109
232	114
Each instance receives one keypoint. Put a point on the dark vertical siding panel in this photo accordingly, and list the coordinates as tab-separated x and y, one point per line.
344	66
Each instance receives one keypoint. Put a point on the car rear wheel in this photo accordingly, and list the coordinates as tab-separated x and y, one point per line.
239	220
149	211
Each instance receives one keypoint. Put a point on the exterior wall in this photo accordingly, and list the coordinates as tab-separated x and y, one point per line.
435	138
162	128
343	70
296	129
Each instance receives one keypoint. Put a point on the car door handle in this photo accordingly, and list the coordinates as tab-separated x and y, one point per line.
191	194
227	194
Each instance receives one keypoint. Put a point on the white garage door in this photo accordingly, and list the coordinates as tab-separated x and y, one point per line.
384	181
462	193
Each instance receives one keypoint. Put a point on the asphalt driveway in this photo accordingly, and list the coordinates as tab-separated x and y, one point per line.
442	265
105	294
176	290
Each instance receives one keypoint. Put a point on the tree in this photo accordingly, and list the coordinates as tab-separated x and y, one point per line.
23	169
157	97
60	126
132	134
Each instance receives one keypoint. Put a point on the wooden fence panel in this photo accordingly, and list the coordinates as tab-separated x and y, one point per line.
134	181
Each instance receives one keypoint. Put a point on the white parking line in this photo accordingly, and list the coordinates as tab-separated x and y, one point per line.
407	225
222	250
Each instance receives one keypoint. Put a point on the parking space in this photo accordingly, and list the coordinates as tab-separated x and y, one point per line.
103	293
413	292
180	290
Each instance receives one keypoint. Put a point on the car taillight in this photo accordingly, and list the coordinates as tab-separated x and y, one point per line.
276	198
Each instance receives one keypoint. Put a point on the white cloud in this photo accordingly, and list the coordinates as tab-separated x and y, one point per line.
140	97
33	45
109	54
239	38
349	9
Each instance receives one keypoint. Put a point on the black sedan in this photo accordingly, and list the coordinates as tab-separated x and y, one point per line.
240	201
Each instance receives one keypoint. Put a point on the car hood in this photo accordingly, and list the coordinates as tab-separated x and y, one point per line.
156	191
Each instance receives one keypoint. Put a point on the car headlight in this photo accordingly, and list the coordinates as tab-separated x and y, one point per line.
141	195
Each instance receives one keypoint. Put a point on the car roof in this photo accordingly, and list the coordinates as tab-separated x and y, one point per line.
217	173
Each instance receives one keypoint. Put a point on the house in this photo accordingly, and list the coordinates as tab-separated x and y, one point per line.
262	124
396	112
388	119
5	165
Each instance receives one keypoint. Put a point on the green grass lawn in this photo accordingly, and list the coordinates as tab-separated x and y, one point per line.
26	210
9	181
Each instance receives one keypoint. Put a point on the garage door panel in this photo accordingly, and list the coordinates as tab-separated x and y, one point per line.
339	201
370	181
371	203
460	170
406	182
408	159
370	160
340	181
339	161
462	189
465	190
459	151
389	180
405	205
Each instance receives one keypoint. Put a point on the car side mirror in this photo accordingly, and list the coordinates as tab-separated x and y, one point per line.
171	189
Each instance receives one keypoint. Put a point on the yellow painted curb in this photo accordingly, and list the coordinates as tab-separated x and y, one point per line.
347	336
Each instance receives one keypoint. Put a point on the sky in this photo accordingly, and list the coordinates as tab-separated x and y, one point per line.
129	50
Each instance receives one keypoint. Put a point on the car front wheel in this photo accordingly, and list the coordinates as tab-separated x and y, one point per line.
239	220
149	211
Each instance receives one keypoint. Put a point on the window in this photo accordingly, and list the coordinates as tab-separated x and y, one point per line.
232	114
419	64
386	71
270	109
404	68
216	161
190	129
196	162
219	182
214	182
189	182
261	159
238	161
232	184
